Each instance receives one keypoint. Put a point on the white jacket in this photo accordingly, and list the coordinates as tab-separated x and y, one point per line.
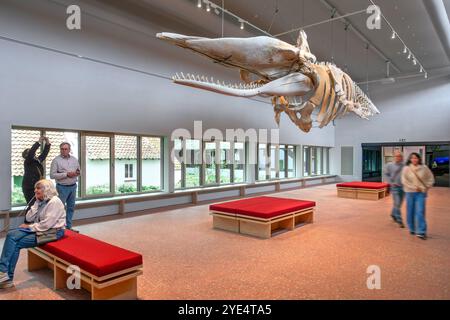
410	181
52	215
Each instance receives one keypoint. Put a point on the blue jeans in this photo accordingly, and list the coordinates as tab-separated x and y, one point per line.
67	194
15	240
397	195
415	208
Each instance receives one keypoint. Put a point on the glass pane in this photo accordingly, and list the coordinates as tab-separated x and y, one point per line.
193	154
20	140
262	161
326	160
313	161
151	163
306	161
319	160
177	158
273	161
192	176
98	164
239	162
225	162
56	138
210	163
291	161
125	163
282	161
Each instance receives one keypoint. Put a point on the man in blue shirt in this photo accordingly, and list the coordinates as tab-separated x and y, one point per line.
393	173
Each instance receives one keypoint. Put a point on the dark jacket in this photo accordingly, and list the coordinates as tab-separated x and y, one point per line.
33	166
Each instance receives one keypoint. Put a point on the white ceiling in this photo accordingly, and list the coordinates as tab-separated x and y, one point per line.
408	17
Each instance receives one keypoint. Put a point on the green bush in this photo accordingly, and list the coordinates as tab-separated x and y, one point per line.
149	188
126	188
17	197
99	189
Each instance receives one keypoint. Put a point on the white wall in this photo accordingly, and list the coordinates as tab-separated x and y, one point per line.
417	111
42	88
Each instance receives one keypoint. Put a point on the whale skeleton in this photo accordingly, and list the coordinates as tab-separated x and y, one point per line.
290	75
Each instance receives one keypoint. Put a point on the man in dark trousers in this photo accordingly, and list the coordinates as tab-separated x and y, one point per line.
34	170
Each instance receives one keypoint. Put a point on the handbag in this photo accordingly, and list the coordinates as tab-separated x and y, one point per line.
420	180
43	237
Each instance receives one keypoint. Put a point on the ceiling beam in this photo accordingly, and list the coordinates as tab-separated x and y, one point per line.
438	15
359	34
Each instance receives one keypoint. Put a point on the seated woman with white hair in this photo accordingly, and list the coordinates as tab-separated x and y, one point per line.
46	218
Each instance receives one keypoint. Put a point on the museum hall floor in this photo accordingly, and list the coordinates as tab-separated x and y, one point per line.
184	258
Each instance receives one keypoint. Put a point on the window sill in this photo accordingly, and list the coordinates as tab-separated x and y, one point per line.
117	200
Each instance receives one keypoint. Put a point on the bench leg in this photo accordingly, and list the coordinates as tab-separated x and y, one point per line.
124	290
35	262
59	278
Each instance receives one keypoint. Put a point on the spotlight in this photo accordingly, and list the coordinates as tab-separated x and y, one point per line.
393	34
216	11
242	24
426	75
409	55
199	4
414	61
421	69
208	8
405	49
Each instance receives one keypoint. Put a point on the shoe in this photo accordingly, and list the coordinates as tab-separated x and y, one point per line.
3	277
73	230
6	284
412	233
401	225
393	218
422	236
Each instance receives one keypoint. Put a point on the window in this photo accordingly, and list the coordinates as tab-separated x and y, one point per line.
129	171
291	161
239	162
20	140
177	163
306	161
262	161
276	161
56	138
125	162
315	161
273	156
282	161
210	163
97	162
192	164
104	170
226	163
151	164
223	162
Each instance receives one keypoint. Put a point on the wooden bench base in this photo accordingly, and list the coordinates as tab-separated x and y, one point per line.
359	193
120	285
258	227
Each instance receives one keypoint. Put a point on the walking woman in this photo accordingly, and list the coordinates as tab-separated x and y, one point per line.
33	169
416	180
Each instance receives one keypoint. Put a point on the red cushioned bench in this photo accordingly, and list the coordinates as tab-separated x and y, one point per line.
362	190
107	271
261	216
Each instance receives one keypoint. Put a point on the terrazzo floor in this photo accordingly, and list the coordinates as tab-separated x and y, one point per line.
184	258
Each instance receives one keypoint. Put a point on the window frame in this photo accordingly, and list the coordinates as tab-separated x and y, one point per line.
81	192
